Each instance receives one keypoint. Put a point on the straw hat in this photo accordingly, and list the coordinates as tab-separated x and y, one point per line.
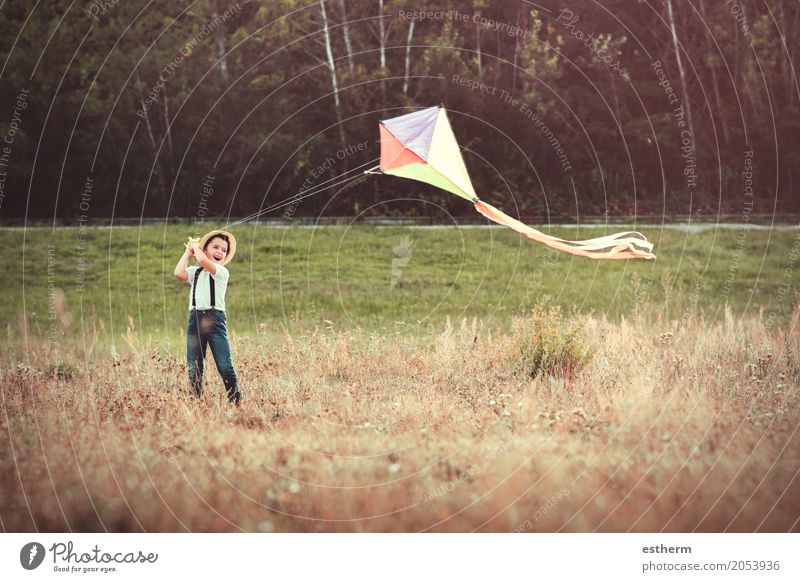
231	243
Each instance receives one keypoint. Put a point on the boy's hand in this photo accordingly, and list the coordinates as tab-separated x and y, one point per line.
191	245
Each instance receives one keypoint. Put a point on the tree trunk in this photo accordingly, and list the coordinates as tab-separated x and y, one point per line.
220	37
346	33
611	75
791	48
382	46
715	81
167	124
754	81
786	73
408	56
478	50
736	58
153	144
681	71
516	51
334	79
498	70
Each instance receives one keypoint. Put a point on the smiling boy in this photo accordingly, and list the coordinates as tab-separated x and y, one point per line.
207	322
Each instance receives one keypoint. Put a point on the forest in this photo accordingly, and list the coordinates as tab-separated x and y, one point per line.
216	108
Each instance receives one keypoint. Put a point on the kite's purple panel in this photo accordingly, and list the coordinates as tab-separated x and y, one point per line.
414	130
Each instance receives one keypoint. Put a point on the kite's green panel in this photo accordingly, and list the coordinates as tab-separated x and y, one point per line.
426	173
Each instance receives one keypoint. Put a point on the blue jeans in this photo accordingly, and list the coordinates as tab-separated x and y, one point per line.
210	328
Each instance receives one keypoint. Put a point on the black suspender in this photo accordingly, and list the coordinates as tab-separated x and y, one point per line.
194	288
213	286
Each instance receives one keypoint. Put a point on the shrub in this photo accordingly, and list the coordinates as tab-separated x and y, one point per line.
545	342
63	371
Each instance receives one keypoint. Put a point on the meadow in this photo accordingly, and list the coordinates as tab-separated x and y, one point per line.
375	279
405	379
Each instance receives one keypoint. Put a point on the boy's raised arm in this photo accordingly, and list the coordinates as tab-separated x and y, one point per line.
180	268
202	259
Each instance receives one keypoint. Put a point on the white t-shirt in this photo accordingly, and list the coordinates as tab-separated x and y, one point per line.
203	296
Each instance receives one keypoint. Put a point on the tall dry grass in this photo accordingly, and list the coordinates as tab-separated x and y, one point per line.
688	426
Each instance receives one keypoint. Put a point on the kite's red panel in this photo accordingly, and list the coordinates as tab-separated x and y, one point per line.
394	154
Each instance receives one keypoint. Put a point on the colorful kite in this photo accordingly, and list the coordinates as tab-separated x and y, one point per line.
421	146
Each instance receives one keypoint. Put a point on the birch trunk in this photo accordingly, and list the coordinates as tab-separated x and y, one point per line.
334	79
220	38
167	124
478	50
382	51
681	71
346	33
516	53
715	81
152	138
408	57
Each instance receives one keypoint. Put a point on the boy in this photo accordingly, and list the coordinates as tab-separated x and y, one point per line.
207	322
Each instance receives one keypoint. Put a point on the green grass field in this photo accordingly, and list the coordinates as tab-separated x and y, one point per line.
396	279
366	410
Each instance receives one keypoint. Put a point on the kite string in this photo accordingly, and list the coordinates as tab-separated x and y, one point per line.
289	201
307	193
313	190
297	198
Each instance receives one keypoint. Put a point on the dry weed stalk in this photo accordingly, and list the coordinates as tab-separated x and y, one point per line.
695	429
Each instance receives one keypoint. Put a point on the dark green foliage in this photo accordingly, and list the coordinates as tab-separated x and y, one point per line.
251	103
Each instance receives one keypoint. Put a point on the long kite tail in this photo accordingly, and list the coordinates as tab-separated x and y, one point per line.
623	245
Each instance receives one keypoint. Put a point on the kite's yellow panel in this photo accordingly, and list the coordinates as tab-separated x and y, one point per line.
445	156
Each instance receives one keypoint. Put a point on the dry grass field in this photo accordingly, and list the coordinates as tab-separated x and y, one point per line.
635	425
